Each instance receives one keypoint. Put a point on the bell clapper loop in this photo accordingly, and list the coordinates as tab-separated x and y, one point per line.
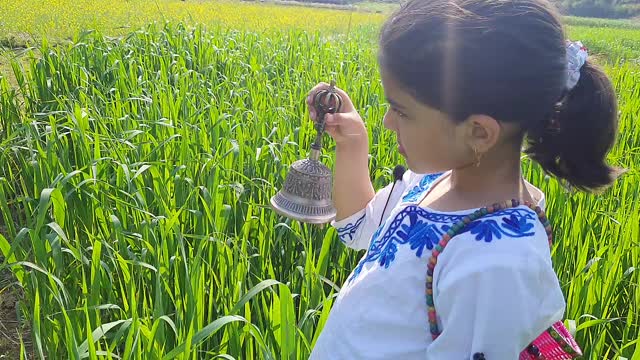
306	194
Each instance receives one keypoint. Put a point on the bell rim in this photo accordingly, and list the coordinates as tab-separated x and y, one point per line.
324	219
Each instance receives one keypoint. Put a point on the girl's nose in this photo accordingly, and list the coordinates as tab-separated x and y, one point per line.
388	122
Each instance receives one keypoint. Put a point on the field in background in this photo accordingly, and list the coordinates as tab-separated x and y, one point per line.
136	165
26	20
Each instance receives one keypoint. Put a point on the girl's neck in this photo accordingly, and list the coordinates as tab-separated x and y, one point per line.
496	178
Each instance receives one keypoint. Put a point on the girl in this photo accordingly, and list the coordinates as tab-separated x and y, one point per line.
467	82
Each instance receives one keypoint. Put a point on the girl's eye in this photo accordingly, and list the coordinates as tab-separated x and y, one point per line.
400	113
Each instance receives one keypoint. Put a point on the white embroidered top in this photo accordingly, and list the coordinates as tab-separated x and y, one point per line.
494	286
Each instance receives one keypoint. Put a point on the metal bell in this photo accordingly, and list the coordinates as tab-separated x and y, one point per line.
306	195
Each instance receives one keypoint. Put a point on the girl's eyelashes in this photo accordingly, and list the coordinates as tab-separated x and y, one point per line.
395	110
400	113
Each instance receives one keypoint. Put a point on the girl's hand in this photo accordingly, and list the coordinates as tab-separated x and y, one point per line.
346	126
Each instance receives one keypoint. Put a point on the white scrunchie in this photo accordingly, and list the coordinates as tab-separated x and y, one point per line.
576	58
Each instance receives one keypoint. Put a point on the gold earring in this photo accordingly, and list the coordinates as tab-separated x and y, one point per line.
478	156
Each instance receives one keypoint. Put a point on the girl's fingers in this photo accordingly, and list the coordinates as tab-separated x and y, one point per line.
314	90
330	119
347	105
331	130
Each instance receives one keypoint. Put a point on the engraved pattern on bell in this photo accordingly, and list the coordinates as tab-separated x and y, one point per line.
311	167
309	178
306	194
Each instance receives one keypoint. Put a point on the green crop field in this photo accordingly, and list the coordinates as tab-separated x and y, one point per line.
137	161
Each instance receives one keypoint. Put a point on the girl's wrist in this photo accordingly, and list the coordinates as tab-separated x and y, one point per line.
360	146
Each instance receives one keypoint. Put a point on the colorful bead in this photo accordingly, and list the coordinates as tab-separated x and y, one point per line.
435	253
466	220
432	316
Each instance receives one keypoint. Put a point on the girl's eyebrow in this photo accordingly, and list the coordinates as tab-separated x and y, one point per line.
394	103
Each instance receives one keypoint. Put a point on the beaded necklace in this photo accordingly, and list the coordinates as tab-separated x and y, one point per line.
555	340
453	231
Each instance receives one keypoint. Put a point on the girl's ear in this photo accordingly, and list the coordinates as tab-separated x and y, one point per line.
482	132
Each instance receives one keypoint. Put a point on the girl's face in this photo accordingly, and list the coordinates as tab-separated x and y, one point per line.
427	138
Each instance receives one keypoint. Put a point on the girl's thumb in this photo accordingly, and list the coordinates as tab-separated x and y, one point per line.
330	119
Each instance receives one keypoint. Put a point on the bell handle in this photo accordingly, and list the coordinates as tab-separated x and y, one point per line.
326	102
323	100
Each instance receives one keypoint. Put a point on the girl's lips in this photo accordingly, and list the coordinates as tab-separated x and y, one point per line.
401	149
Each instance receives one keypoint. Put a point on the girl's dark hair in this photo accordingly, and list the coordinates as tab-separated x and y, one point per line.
507	59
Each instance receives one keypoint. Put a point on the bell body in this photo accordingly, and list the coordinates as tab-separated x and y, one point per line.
306	195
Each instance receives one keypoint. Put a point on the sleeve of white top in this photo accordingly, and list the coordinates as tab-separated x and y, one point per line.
355	231
493	300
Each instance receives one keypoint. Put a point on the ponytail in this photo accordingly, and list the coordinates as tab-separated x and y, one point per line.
573	142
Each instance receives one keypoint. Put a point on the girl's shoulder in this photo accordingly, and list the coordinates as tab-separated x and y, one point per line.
508	241
508	238
512	228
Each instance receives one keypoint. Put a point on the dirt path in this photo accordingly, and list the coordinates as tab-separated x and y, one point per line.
10	328
6	55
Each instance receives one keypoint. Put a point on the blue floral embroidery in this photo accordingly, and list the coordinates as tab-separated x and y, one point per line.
424	185
349	230
388	255
422	229
485	230
424	236
378	230
516	224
